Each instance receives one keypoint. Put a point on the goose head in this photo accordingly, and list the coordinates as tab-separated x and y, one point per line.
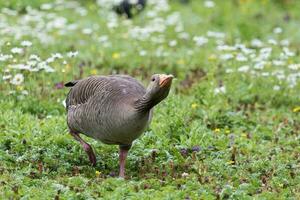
159	87
157	90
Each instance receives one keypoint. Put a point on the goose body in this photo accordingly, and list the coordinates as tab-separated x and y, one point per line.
114	109
103	108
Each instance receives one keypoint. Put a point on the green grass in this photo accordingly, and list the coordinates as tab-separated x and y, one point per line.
240	143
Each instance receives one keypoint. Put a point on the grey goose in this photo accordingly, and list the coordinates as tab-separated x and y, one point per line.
114	109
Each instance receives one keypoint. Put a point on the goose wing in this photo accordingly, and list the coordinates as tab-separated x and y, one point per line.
82	90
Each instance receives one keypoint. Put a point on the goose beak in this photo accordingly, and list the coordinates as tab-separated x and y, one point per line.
165	79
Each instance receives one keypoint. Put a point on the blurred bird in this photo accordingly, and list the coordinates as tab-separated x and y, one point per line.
130	7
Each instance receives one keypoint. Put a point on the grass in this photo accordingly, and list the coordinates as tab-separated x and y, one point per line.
228	130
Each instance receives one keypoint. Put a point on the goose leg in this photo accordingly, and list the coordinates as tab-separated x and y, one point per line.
122	158
87	148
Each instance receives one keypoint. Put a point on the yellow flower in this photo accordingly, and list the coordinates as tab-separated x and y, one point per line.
180	62
296	109
94	71
194	105
217	130
227	131
67	67
212	57
19	87
116	56
230	162
97	173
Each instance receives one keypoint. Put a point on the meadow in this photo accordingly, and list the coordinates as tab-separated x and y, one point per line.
229	129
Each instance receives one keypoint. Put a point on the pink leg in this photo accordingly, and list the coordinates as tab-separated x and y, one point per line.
122	158
87	148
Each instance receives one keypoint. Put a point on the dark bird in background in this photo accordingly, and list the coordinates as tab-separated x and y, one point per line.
129	9
114	109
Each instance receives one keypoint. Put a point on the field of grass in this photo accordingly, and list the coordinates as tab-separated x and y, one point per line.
229	129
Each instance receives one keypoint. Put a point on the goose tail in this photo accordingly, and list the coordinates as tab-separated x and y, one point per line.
71	83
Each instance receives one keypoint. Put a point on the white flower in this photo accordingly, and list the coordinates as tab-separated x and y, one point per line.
21	66
247	51
294	66
82	11
6	77
72	27
4	57
45	66
173	19
265	74
172	43
179	28
12	92
87	31
34	57
285	42
57	55
292	80
278	62
16	50
72	54
151	14
220	42
184	174
143	53
200	40
25	92
240	57
209	4
46	6
264	53
277	30
272	41
276	87
112	24
260	65
229	71
279	74
244	68
17	80
57	23
288	52
213	34
103	38
50	60
226	48
256	43
26	43
184	35
226	56
221	89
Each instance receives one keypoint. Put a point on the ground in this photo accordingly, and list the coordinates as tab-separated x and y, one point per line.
229	129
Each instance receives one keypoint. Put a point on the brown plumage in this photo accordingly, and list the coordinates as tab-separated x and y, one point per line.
113	109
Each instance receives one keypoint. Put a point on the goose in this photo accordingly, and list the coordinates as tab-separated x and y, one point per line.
129	8
113	109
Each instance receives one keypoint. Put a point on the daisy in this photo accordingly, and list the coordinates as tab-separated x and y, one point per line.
17	80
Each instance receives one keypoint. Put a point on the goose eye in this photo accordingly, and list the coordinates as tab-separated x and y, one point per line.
153	79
